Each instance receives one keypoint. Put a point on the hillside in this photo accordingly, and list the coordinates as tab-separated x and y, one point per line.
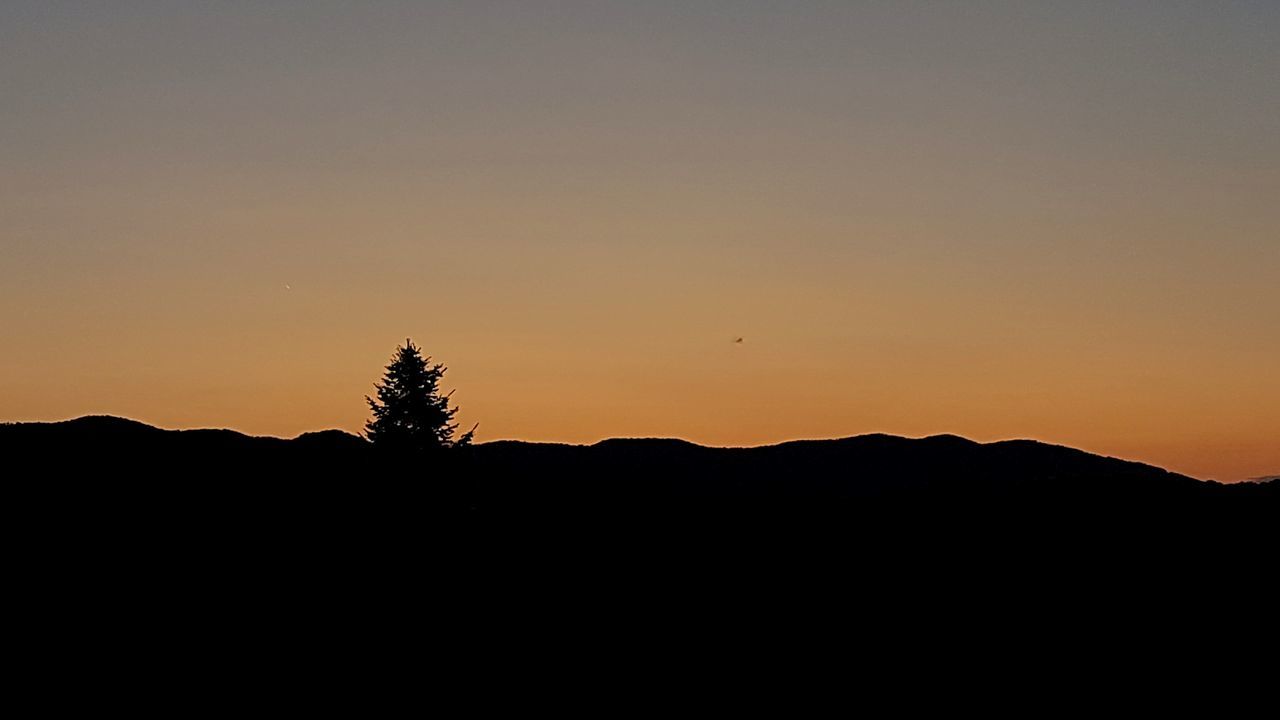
942	468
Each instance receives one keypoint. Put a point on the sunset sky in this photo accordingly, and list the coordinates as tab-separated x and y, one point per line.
1049	220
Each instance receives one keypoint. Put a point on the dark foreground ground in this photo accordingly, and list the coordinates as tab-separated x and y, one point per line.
941	514
317	565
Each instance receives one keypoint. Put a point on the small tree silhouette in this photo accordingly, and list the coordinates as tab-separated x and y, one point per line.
410	414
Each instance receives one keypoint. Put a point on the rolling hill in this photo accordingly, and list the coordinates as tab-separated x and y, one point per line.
942	469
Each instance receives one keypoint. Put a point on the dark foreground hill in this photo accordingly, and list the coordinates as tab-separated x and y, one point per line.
516	533
881	470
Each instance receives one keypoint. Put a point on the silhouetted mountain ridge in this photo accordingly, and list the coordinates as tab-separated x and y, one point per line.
627	471
97	429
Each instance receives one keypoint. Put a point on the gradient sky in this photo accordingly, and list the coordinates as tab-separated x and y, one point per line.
997	219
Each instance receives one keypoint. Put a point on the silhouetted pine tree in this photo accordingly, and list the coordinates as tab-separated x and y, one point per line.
409	413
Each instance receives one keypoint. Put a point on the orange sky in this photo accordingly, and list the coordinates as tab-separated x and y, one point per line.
997	221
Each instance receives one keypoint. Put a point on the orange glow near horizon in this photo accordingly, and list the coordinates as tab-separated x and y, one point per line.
1055	223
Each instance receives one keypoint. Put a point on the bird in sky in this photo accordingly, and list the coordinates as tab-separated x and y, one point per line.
738	341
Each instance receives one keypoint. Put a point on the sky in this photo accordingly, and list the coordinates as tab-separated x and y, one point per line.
1050	220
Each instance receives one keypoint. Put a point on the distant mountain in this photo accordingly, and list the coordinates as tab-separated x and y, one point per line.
940	469
943	469
87	497
113	437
